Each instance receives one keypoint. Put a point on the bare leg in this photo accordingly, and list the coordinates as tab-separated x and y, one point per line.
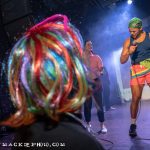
136	96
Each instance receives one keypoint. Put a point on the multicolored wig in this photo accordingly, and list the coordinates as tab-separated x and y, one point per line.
45	73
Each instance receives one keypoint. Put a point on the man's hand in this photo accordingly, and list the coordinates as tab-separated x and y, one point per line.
132	49
127	50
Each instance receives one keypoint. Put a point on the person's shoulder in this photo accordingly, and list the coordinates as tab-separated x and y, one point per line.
99	58
127	41
92	142
85	137
96	56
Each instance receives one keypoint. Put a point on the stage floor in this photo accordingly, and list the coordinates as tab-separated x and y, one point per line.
118	122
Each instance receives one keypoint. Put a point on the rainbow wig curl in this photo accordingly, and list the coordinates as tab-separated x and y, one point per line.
45	73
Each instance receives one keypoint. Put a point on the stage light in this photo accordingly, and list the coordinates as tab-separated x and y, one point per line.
129	2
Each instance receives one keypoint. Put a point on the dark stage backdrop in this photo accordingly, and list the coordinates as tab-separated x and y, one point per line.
15	19
16	16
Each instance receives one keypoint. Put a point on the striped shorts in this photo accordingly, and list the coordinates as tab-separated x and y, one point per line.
139	74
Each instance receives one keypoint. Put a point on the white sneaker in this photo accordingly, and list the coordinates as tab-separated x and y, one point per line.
112	108
89	127
103	129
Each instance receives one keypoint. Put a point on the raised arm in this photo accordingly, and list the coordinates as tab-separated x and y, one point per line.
125	52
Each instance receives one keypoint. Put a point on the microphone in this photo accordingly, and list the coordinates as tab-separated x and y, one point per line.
134	43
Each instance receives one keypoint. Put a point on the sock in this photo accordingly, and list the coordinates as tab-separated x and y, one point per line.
133	121
102	124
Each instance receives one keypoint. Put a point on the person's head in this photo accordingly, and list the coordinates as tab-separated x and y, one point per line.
135	27
46	75
88	46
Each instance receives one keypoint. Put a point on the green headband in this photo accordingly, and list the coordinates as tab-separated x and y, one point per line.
135	23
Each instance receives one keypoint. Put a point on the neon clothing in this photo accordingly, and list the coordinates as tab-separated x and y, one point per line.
139	75
145	63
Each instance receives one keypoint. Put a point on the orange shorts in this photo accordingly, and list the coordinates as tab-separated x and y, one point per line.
139	75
